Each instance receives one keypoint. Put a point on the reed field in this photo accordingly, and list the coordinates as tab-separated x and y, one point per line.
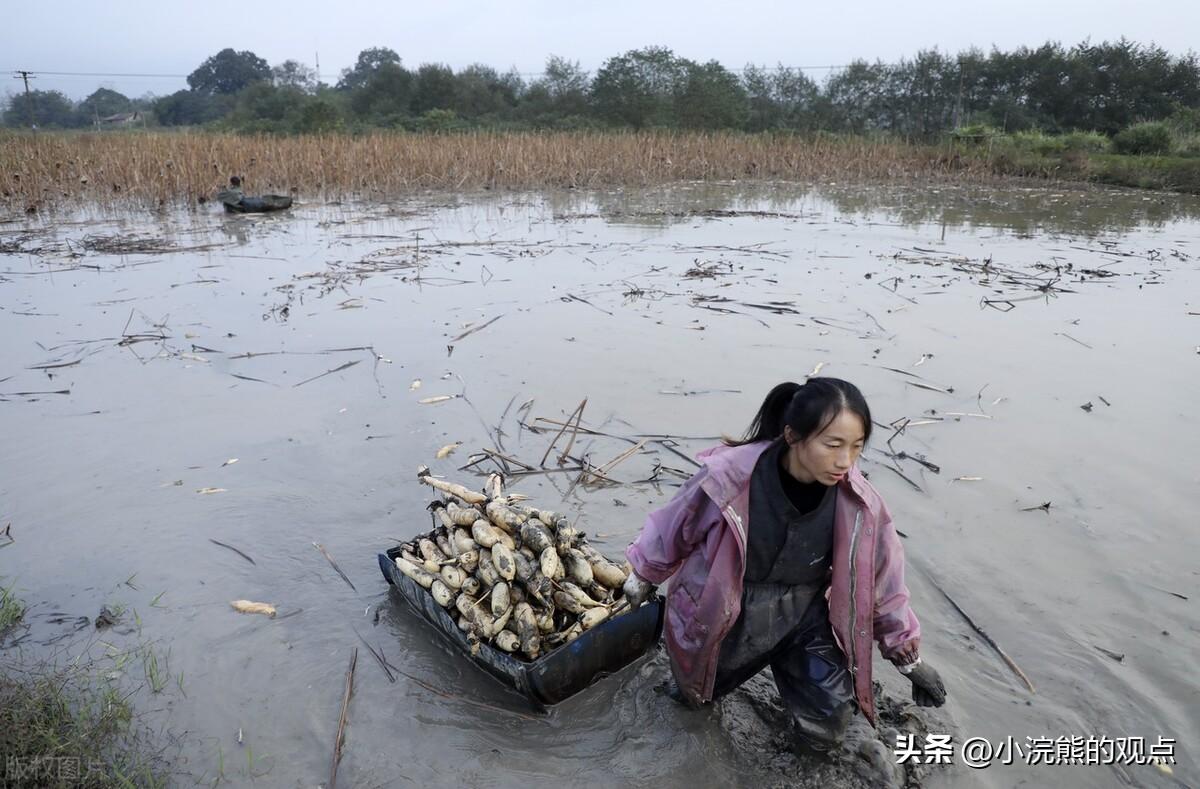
42	171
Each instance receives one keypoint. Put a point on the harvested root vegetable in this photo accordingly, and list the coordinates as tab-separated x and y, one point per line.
525	568
499	623
551	565
418	574
458	491
505	517
593	617
577	567
469	560
536	536
486	572
462	516
464	542
251	607
442	594
521	579
608	573
579	595
565	537
508	641
494	487
453	577
501	601
430	551
504	561
485	533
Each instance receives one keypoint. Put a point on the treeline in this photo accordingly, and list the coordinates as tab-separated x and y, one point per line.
1090	87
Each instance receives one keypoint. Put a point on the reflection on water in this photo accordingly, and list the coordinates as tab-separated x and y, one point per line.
1069	209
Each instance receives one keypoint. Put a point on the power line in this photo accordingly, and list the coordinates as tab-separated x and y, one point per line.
131	75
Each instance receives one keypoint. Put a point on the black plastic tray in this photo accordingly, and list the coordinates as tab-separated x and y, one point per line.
557	675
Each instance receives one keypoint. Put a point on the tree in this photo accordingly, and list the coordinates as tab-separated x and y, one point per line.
386	95
638	88
710	97
857	97
434	89
482	92
228	72
294	74
782	98
102	104
41	108
189	108
369	62
567	85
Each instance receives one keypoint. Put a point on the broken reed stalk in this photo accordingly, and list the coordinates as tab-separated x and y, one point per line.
1012	664
566	453
619	459
341	729
333	564
563	429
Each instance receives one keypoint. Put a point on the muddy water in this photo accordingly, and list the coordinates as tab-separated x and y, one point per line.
209	348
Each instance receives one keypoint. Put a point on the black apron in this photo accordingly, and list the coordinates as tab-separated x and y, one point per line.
784	620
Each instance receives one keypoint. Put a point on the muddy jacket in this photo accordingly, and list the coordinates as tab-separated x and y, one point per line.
699	540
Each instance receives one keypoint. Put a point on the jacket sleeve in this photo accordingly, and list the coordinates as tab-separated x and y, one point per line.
895	624
673	532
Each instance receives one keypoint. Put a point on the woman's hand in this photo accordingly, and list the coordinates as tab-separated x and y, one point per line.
636	590
928	690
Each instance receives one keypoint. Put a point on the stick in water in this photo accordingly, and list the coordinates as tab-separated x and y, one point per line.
341	729
991	642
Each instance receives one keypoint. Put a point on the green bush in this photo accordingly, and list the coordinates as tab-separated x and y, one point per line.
1187	144
1085	142
1152	138
975	132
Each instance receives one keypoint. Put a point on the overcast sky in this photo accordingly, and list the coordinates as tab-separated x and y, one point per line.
171	38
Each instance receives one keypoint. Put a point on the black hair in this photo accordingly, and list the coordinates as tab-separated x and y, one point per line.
806	408
235	181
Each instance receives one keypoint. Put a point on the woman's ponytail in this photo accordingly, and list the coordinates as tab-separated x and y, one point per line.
768	423
807	409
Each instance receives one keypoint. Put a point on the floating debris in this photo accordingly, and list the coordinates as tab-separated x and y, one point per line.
447	450
251	607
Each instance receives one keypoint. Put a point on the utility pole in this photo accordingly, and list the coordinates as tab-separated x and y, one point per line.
24	76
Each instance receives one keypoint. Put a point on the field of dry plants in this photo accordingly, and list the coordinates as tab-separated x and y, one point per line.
42	171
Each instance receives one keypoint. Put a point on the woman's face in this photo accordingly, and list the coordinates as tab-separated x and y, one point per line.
826	457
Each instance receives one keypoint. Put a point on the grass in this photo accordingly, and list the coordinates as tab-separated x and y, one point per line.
42	170
71	726
1083	156
60	728
12	610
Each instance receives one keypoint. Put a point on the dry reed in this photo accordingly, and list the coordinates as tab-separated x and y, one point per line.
47	170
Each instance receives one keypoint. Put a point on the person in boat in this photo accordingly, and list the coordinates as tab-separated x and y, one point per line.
232	195
782	554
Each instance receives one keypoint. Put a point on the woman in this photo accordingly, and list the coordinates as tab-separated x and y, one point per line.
782	554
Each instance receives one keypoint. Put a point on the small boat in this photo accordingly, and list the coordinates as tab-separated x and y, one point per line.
557	675
258	205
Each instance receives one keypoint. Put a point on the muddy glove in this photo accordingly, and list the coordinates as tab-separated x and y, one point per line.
636	590
928	690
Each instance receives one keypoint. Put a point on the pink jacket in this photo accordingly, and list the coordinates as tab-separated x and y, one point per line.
699	539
